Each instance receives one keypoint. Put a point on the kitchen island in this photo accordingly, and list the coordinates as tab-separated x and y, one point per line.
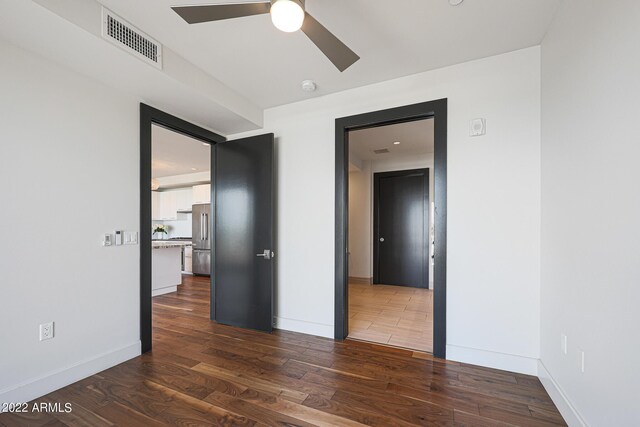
166	266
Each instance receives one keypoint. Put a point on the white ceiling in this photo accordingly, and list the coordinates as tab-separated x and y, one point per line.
177	154
416	138
394	39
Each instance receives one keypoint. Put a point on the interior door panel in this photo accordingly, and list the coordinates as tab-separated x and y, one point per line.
244	232
401	222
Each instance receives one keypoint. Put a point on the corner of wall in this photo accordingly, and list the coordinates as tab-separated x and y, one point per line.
492	359
566	408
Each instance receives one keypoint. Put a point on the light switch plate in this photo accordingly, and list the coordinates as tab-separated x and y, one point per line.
478	127
130	237
118	234
107	240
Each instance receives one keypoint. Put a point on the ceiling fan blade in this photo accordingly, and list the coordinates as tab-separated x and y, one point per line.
337	52
218	12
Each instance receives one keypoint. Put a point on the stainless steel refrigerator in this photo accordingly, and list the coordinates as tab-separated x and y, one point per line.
201	239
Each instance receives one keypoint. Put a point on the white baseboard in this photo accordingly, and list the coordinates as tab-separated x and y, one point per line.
568	411
490	359
163	291
360	280
55	380
304	327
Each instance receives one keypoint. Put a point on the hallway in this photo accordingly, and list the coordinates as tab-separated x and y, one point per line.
394	315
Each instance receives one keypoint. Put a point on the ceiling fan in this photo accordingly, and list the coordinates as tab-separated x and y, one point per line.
286	15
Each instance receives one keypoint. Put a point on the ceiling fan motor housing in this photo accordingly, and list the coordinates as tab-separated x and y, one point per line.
300	2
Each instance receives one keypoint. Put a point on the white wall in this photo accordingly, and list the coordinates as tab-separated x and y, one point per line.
360	222
493	206
69	168
591	209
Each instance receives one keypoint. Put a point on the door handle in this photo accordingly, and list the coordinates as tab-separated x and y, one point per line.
201	226
266	254
206	226
382	239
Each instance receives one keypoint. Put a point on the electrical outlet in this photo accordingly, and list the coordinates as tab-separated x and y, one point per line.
563	344
582	361
46	331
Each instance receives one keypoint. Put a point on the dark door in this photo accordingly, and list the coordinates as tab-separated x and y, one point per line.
243	273
401	227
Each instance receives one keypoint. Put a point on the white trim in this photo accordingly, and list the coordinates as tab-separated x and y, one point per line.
568	411
491	359
162	291
55	380
304	327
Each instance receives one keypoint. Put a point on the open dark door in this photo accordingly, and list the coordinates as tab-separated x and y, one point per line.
244	233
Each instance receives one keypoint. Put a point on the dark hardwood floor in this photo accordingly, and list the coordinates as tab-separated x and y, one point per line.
201	373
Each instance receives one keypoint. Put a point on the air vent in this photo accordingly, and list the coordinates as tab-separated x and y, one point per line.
122	34
381	151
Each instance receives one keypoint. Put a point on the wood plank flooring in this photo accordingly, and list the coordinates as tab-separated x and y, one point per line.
394	315
204	374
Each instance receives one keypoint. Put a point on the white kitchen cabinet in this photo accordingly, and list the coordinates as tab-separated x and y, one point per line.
188	259
201	194
156	214
168	205
184	199
165	274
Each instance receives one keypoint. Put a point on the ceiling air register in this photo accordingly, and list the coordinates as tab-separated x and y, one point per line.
124	35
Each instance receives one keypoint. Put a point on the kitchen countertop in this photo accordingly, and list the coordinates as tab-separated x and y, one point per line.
164	244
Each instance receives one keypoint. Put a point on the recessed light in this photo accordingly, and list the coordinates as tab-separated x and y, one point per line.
396	143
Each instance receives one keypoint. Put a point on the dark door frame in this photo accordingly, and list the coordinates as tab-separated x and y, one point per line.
424	172
148	117
426	110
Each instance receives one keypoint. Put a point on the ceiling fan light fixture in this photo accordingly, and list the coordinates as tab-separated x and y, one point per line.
287	15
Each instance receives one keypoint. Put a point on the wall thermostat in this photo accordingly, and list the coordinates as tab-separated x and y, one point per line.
118	234
477	127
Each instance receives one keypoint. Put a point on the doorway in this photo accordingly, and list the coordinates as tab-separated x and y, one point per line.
150	119
236	229
182	233
433	237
